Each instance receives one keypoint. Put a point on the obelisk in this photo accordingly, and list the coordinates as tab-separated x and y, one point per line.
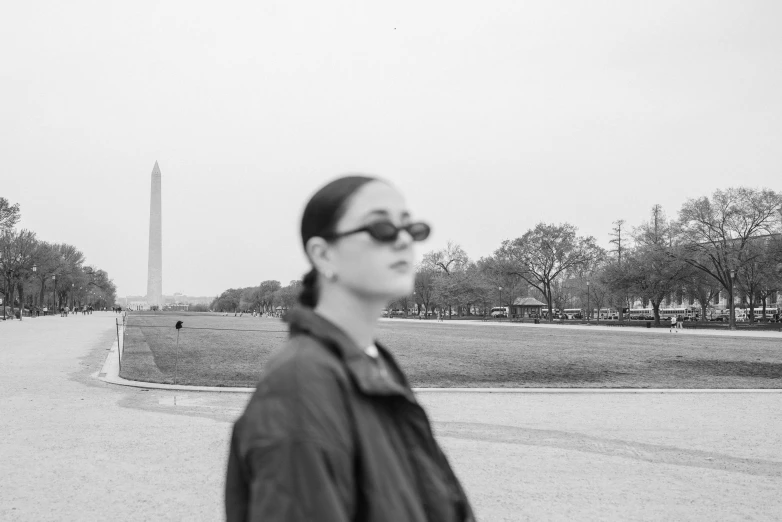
155	267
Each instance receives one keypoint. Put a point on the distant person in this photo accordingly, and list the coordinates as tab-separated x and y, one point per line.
333	431
673	323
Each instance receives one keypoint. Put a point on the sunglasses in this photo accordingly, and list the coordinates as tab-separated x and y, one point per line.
387	232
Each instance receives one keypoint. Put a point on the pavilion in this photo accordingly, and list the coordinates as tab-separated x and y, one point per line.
525	306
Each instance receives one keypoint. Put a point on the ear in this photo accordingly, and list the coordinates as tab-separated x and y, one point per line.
319	252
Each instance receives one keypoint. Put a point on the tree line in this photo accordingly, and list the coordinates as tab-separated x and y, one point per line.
39	274
729	242
265	297
726	243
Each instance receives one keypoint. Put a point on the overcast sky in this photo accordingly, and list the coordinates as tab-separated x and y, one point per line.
489	116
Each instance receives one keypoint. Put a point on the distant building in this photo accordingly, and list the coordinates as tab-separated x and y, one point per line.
178	301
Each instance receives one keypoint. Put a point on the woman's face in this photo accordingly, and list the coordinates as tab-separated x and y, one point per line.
362	264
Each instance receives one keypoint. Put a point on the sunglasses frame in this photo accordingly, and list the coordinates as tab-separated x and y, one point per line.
368	229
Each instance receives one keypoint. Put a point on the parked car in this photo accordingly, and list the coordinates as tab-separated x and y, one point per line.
499	311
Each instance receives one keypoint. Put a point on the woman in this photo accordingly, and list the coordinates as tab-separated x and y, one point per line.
333	431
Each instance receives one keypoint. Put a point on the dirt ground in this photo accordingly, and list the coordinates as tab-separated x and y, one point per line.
75	448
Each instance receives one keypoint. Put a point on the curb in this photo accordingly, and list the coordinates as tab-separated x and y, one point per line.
109	373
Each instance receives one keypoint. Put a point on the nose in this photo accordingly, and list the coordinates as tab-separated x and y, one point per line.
403	240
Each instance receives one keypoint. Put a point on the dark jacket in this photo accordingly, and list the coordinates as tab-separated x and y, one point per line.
332	435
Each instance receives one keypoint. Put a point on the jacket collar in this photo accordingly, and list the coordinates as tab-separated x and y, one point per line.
366	372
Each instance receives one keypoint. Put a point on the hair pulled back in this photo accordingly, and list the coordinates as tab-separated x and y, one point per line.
321	215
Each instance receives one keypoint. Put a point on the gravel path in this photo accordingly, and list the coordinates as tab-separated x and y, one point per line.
76	448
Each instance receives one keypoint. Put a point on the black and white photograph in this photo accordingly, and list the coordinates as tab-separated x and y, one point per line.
421	261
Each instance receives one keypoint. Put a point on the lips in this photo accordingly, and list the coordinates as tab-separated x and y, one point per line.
400	264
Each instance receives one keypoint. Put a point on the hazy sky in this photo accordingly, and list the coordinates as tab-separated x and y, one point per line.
489	116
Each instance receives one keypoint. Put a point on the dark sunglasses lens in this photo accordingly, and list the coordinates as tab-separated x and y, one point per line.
418	231
383	231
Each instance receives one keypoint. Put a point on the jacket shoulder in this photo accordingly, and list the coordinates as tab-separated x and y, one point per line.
301	359
303	394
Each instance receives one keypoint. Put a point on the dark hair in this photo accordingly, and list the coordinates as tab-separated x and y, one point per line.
320	218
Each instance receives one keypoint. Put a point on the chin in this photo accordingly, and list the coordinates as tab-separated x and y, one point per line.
402	286
395	287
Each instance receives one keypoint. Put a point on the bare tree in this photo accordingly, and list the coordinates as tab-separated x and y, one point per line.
449	259
718	232
620	240
448	262
544	254
16	262
759	276
46	266
702	288
266	292
617	239
9	215
599	292
425	287
650	271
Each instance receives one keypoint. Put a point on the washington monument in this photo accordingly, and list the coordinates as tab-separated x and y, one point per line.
155	267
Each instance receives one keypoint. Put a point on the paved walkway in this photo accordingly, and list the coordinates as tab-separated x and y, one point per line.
76	448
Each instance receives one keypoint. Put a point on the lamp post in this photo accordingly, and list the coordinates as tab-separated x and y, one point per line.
500	289
54	293
732	315
588	308
35	269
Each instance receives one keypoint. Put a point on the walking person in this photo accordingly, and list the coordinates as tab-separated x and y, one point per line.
333	431
673	323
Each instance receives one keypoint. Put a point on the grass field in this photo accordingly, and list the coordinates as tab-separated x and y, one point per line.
231	351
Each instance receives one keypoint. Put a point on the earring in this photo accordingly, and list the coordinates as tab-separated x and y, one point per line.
330	275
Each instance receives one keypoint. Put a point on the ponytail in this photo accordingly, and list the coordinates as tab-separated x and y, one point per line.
309	294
